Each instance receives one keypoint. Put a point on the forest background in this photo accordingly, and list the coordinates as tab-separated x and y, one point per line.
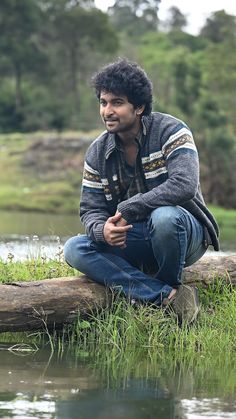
49	49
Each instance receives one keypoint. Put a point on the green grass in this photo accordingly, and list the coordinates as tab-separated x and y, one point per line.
226	220
43	178
147	327
225	217
122	326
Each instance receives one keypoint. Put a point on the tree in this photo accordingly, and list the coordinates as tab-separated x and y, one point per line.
176	20
220	27
19	43
217	147
78	32
136	16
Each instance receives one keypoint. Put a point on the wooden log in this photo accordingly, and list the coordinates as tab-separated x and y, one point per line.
55	302
210	268
49	303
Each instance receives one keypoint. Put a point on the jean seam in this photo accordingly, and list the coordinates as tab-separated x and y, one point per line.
181	258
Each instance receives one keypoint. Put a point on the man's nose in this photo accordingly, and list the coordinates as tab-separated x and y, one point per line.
109	110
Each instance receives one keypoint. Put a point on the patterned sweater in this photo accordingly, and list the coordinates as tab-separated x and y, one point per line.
170	169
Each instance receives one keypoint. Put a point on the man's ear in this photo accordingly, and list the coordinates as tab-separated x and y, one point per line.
140	109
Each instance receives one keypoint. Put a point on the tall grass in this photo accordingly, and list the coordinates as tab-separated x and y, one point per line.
124	326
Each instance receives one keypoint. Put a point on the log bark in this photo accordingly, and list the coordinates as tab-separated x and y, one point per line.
50	303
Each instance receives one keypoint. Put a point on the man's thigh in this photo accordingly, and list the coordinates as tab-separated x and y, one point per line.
138	250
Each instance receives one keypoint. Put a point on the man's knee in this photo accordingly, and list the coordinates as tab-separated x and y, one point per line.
74	248
165	218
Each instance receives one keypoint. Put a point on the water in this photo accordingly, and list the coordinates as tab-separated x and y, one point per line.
26	235
128	386
19	224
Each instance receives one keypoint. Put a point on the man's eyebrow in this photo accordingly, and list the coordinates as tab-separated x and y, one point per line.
114	99
118	98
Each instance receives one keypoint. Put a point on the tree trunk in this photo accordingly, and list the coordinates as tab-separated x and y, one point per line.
54	302
74	76
18	93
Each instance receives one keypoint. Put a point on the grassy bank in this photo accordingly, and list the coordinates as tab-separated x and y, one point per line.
42	171
124	326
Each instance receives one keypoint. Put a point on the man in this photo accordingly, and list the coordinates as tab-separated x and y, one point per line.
141	203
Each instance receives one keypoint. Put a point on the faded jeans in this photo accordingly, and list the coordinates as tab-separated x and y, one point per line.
152	262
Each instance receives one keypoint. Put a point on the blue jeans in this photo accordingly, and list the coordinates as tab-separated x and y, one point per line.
152	262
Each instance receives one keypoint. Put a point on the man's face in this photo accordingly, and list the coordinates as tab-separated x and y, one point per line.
118	114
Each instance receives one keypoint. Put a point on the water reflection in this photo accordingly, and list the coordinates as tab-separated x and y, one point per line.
104	385
21	224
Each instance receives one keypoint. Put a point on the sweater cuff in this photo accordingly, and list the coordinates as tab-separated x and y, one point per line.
98	233
126	212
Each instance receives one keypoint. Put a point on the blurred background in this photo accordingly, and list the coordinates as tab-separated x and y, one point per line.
49	49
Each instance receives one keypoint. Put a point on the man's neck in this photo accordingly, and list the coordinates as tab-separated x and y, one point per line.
128	138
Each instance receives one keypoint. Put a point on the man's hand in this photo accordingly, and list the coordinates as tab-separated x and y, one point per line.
115	230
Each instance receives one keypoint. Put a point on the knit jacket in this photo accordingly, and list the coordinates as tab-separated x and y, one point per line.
170	169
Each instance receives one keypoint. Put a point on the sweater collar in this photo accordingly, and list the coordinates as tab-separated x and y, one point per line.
111	139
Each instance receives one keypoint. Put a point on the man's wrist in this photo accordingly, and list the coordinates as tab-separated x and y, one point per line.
98	233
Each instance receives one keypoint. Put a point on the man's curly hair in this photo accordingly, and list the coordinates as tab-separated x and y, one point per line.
126	78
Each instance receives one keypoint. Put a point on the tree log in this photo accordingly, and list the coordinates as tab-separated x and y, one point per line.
50	303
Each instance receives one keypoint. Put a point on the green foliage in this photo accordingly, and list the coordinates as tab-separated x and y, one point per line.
220	27
19	45
11	118
44	49
135	17
176	21
194	80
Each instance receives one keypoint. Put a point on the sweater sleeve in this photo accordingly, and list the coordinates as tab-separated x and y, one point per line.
93	207
181	159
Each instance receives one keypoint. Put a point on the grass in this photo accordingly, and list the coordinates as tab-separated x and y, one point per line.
122	326
41	171
226	219
146	327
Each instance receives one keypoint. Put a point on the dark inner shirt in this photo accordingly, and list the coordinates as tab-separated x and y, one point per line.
130	178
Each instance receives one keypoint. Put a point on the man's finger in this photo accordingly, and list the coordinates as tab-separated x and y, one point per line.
114	218
123	229
118	239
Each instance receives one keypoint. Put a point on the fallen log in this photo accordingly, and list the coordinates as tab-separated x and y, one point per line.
50	303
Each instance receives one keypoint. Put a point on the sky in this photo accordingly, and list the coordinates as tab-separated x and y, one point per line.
196	11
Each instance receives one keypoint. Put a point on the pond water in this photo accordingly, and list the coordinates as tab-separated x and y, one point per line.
25	235
127	386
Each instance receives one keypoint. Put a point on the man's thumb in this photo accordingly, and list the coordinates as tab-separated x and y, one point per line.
115	217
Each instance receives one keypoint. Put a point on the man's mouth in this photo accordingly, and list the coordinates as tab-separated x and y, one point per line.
110	120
